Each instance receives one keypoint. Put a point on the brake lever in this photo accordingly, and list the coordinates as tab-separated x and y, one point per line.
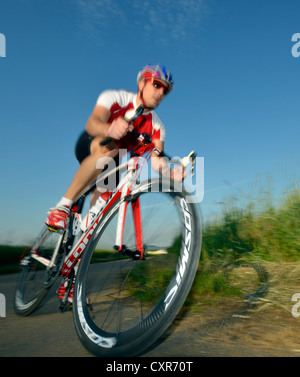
190	159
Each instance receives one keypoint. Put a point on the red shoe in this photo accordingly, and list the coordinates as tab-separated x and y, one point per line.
58	217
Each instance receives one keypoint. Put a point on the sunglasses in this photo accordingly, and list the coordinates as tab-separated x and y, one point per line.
157	85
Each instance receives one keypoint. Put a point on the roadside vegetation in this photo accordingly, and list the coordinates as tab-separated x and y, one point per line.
9	258
264	239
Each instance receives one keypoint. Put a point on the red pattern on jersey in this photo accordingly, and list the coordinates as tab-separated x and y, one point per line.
142	125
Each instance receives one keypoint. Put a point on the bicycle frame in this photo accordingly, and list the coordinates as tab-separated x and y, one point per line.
123	189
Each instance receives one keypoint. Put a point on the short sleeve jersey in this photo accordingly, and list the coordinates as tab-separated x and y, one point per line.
118	102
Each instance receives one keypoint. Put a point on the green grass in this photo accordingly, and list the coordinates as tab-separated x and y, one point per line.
102	256
271	234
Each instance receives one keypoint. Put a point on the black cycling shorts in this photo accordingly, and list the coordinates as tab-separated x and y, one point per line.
83	145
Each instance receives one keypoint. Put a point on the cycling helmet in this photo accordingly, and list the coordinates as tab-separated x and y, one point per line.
156	71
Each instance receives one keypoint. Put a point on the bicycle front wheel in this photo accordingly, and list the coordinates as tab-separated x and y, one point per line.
123	304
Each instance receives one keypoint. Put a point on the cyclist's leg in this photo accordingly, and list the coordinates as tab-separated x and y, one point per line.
104	191
87	171
82	150
85	175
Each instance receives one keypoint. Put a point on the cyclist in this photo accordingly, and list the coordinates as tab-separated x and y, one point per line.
107	120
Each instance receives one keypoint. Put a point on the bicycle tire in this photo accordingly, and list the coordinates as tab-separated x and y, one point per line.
159	301
35	278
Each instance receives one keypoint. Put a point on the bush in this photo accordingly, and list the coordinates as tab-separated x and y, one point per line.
272	234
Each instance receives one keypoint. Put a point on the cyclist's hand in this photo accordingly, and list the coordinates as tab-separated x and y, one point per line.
118	129
178	173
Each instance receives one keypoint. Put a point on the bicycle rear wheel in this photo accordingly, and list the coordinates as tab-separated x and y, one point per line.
134	301
37	274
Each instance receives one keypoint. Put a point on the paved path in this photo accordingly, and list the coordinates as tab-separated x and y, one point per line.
51	333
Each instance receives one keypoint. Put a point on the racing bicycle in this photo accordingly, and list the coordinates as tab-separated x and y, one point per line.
138	259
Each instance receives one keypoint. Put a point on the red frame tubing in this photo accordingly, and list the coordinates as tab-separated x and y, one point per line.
124	217
136	210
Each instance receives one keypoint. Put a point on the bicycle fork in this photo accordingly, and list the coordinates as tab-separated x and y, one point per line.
137	220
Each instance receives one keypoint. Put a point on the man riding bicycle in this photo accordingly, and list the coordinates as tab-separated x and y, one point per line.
107	120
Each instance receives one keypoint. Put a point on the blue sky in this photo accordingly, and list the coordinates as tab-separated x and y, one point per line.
235	99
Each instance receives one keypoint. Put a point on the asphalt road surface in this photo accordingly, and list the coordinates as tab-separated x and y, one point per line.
49	333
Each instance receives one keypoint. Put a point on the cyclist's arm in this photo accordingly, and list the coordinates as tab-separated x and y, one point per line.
97	124
160	164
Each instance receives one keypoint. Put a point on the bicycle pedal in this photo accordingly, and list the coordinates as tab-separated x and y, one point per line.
55	230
